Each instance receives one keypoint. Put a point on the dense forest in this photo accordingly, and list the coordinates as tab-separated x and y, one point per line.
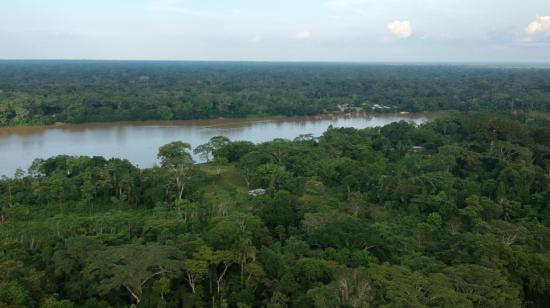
452	213
46	92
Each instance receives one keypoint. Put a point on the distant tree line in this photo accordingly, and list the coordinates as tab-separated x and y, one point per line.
45	92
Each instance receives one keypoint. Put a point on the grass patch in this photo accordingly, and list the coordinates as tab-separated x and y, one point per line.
226	177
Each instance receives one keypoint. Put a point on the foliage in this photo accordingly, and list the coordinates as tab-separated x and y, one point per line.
46	92
355	218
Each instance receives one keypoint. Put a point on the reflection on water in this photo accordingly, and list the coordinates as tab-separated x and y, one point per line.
139	142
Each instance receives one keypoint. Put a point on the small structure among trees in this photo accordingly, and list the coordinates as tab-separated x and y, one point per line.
257	192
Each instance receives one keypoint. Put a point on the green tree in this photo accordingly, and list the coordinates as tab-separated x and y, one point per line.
176	158
132	267
215	144
351	288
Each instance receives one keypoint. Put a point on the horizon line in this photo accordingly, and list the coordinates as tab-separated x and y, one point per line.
277	61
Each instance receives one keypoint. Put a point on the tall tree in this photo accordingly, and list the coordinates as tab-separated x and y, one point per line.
176	158
132	267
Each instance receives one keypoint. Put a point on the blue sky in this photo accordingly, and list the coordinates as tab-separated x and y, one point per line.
298	30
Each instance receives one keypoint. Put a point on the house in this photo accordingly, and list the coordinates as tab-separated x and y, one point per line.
343	107
380	107
257	192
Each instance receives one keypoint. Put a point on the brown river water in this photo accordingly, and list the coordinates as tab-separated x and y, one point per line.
139	141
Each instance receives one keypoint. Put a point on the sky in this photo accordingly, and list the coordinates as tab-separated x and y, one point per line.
278	30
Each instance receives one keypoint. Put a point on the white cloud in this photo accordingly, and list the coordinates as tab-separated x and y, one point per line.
303	35
541	25
401	29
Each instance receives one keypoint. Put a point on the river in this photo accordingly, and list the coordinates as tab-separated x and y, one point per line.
139	141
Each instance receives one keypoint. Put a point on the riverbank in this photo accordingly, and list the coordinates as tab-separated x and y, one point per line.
139	141
218	122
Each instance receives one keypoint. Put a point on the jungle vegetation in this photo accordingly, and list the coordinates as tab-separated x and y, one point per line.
46	92
452	213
